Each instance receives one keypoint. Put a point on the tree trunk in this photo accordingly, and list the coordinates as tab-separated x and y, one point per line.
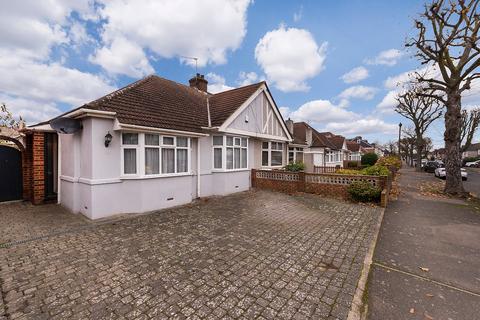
453	161
419	146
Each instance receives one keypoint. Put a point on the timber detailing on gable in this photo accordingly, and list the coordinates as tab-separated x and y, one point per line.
270	122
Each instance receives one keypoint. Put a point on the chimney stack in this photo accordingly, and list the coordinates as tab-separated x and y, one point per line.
199	82
289	124
309	136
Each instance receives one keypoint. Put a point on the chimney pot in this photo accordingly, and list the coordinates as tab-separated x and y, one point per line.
199	82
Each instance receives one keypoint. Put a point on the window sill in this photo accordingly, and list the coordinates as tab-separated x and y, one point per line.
229	170
156	176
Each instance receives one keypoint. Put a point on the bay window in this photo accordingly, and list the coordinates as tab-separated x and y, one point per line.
160	154
272	154
230	153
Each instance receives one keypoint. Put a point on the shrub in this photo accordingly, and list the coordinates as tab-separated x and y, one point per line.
349	171
390	161
295	166
376	171
364	191
352	164
369	159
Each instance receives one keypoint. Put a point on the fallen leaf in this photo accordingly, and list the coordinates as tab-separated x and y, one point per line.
430	295
427	316
412	311
424	269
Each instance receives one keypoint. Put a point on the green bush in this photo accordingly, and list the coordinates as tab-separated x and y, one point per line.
295	166
390	161
369	159
364	191
349	171
352	164
376	171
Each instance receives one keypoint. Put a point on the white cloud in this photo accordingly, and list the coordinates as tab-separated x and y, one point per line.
355	75
289	57
297	16
389	102
216	83
206	29
388	57
362	126
358	92
123	57
78	34
285	111
246	78
30	110
321	111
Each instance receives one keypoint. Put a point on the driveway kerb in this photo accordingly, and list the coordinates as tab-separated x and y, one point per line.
359	308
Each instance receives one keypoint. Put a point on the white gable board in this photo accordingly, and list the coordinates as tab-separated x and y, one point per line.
259	118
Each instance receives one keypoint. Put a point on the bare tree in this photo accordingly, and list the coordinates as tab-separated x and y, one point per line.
422	111
448	40
470	122
8	120
407	145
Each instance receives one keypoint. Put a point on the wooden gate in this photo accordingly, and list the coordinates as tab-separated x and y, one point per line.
11	184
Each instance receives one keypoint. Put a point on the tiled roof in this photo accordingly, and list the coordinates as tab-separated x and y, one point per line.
335	141
223	104
353	146
319	139
161	103
474	147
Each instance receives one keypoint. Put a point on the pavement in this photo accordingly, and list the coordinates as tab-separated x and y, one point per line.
251	255
427	260
472	184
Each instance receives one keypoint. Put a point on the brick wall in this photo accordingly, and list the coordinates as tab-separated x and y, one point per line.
327	184
34	168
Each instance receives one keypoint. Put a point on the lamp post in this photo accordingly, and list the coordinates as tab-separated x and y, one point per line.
399	138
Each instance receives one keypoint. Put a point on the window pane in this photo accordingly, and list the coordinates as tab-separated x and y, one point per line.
276	158
152	139
265	158
182	160
182	142
218	140
229	158
152	160
217	158
243	163
130	138
129	161
229	141
291	149
237	158
237	141
264	145
290	156
168	141
299	156
244	142
168	160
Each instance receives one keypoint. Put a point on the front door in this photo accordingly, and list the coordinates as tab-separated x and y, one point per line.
11	185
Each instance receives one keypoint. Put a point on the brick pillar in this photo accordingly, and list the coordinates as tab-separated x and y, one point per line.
27	169
301	182
254	178
38	168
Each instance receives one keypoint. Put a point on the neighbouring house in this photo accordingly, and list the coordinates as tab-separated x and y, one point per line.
317	149
472	151
156	143
354	153
367	147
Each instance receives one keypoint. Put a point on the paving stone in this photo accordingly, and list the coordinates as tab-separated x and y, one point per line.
255	254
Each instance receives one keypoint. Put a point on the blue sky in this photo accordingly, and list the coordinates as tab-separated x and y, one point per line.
331	63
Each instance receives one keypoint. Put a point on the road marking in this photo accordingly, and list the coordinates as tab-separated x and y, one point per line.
426	279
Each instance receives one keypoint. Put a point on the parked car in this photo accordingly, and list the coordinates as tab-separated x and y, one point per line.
424	162
442	173
430	166
474	164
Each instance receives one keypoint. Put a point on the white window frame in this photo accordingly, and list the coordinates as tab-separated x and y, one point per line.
224	148
140	153
295	150
269	149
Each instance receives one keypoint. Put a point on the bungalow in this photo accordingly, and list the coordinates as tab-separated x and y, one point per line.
156	143
354	153
472	151
315	149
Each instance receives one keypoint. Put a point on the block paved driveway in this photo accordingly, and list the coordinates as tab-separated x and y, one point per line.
251	255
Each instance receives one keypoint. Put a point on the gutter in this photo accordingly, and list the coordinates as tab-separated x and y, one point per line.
123	126
198	168
208	113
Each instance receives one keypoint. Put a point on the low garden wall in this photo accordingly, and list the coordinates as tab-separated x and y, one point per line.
326	184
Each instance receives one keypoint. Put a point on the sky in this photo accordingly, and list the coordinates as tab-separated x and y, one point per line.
333	64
